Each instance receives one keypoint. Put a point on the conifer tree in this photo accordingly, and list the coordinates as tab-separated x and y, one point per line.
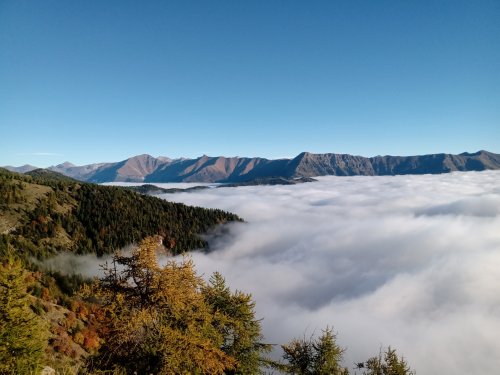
157	318
23	335
388	364
327	354
319	356
235	319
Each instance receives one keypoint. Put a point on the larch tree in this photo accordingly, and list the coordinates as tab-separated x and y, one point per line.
319	356
387	364
158	320
23	334
235	319
327	354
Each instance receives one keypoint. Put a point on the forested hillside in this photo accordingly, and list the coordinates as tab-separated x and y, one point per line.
43	321
44	213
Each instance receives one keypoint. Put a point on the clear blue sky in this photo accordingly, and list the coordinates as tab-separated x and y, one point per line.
90	81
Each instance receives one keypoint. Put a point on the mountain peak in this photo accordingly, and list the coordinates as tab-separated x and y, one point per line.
22	169
164	159
306	164
305	153
477	153
141	157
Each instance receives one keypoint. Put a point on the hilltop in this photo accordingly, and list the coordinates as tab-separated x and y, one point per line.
44	213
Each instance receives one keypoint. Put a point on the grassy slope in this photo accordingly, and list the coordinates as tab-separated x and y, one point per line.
47	213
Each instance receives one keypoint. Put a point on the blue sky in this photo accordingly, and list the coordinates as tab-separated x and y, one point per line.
91	81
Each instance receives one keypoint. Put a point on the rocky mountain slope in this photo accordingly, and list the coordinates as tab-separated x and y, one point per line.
146	168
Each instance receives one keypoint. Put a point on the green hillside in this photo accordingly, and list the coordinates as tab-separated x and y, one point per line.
44	213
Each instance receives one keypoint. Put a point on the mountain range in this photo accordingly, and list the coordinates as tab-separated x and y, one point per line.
146	168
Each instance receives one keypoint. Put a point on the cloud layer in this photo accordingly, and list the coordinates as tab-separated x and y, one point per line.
407	261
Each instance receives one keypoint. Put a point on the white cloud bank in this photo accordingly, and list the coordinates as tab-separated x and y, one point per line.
407	261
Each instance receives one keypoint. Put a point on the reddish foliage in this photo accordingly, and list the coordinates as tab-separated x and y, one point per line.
46	294
70	321
90	340
80	309
62	343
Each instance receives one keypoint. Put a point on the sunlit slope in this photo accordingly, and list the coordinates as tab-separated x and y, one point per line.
145	168
47	213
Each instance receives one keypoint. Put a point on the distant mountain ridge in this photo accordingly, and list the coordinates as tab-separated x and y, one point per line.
146	168
22	169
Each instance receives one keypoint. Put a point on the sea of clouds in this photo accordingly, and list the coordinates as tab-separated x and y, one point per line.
407	261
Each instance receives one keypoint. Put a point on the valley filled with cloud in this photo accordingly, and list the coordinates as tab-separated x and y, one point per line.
407	261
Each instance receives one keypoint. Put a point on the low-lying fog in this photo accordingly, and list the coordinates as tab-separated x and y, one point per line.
407	261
